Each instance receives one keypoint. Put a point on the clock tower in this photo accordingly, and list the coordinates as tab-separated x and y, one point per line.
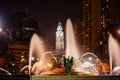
59	37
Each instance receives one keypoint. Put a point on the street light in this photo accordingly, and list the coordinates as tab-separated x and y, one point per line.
0	30
33	58
90	58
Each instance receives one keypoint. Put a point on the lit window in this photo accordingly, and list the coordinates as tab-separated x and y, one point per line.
103	9
87	5
101	43
82	45
103	25
104	38
108	32
103	33
82	32
29	28
87	35
88	49
106	51
107	6
107	0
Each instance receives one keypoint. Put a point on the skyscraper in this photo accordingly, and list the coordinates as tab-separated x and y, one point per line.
59	37
79	33
96	18
23	27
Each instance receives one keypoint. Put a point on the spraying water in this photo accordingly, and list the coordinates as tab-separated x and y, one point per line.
90	63
47	59
45	63
90	57
25	67
114	54
37	47
71	46
5	71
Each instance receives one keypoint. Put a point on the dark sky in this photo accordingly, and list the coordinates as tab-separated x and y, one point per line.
46	12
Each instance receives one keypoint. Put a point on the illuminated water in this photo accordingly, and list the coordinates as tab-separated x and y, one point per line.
72	49
90	63
114	55
37	48
7	72
46	63
25	67
90	57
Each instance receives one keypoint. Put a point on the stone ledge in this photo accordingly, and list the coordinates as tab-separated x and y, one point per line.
33	77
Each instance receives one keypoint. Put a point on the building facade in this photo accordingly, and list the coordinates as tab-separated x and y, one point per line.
96	20
18	56
23	27
79	33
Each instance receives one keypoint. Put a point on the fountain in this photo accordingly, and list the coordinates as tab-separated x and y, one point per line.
24	69
37	47
48	64
6	72
42	62
90	63
114	50
72	49
45	60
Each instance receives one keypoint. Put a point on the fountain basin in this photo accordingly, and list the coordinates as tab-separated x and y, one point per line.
75	77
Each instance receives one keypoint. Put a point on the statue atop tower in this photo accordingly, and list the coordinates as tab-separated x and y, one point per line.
59	37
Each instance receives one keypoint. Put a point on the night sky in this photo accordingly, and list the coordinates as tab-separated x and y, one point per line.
46	12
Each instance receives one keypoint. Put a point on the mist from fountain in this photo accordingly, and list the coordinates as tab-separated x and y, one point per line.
114	55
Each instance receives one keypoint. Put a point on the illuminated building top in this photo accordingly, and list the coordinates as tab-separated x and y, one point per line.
59	29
